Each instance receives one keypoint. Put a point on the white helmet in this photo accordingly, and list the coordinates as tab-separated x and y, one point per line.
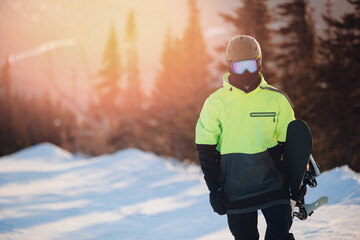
242	48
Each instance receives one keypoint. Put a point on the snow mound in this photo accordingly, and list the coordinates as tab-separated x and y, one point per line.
47	193
341	184
42	150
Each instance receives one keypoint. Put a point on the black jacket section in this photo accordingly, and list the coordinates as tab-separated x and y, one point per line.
276	155
259	200
209	159
252	181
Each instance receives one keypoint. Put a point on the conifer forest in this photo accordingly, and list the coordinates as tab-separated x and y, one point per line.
95	79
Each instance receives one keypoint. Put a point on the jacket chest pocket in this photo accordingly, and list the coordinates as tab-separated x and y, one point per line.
263	115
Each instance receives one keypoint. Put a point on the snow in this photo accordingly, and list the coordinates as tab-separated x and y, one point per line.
48	193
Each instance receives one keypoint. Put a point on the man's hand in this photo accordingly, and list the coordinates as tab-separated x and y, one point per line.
218	201
297	195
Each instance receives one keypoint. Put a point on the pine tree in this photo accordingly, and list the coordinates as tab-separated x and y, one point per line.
253	18
6	97
297	58
19	124
6	85
195	83
180	89
166	81
108	88
133	93
339	88
165	98
298	45
196	77
130	128
13	125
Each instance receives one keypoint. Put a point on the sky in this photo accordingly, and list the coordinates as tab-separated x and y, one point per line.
62	41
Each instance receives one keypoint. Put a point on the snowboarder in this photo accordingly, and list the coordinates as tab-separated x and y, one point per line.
240	137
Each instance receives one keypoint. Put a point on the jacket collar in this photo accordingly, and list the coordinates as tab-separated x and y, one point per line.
231	88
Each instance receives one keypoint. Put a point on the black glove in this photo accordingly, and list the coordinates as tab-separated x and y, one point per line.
299	194
218	201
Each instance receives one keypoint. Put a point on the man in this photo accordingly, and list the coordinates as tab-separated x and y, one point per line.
240	137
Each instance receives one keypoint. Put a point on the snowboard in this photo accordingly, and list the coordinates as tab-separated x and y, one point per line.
297	152
299	163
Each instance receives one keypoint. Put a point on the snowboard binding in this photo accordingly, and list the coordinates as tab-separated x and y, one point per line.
311	173
301	214
305	210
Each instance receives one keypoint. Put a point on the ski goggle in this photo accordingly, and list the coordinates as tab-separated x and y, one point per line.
250	65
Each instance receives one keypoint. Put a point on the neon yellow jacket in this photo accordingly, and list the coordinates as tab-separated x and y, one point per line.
243	126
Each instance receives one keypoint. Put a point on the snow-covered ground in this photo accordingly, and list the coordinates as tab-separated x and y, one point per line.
48	193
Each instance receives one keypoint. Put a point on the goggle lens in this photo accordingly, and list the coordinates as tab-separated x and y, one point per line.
250	65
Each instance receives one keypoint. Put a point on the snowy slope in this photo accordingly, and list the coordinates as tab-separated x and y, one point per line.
48	193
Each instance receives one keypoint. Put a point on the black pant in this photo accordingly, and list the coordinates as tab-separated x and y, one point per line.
243	226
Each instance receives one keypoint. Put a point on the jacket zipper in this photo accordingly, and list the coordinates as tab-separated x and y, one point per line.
263	114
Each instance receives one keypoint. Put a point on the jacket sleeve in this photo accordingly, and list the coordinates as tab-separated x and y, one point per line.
208	130
208	127
209	159
285	116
